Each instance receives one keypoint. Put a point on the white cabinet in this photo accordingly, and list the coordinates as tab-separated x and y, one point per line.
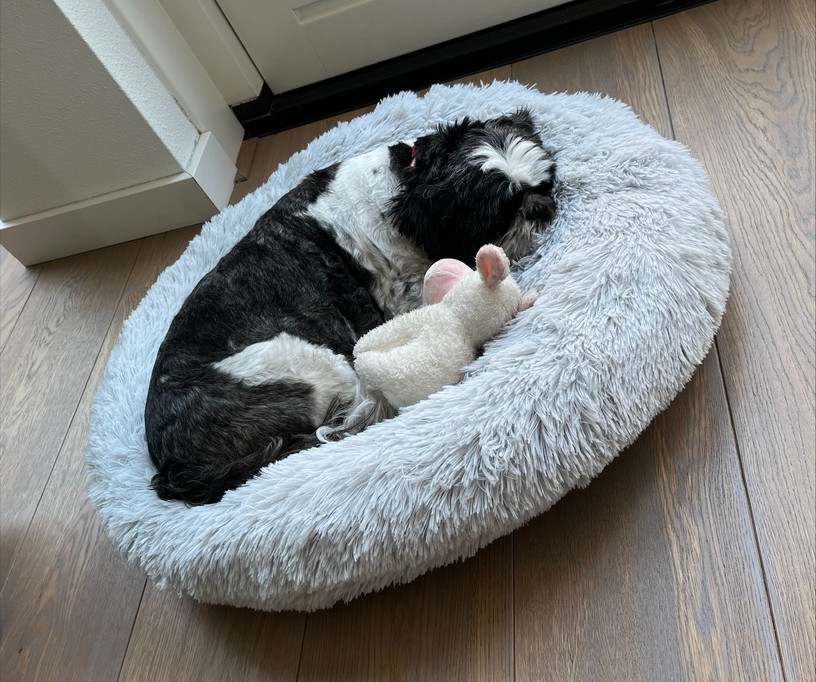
298	42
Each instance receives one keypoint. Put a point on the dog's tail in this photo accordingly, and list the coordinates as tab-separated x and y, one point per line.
203	482
346	419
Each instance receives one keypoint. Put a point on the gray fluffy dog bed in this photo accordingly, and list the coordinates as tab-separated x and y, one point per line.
633	275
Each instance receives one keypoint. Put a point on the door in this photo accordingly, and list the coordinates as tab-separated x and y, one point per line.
298	42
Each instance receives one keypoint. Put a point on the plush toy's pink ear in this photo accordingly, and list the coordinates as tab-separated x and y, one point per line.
492	264
441	277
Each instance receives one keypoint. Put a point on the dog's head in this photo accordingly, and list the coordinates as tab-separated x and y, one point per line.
476	182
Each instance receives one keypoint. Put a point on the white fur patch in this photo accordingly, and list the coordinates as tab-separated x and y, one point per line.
289	358
522	161
354	209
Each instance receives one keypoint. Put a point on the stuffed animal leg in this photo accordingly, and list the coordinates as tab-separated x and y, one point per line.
407	368
396	332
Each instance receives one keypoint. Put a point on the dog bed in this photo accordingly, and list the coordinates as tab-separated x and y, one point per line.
633	277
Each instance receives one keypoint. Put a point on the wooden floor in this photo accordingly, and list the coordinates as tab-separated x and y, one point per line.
690	558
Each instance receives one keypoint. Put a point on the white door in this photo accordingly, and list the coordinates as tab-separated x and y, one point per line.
298	42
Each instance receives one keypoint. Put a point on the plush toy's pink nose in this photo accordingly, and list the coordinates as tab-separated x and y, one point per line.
441	277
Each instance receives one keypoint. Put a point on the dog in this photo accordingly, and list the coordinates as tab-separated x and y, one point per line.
257	363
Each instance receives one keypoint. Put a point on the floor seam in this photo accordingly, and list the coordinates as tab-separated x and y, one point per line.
729	409
750	508
20	314
132	628
302	647
70	422
513	598
663	82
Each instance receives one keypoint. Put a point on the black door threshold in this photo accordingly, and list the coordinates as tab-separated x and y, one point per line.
496	46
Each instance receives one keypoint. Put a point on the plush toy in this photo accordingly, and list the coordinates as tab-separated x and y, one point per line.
416	354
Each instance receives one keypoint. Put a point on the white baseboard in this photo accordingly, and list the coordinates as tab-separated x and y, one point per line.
187	198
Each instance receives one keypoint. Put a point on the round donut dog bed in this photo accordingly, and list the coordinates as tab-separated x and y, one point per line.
633	276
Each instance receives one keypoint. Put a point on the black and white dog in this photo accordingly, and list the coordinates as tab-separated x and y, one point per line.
256	364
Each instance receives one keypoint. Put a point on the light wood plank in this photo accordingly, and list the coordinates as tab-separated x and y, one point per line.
740	83
16	283
255	172
45	366
243	164
349	115
622	65
175	639
500	73
454	623
66	572
274	150
626	580
651	572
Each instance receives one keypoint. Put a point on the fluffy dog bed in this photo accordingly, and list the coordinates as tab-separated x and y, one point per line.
633	275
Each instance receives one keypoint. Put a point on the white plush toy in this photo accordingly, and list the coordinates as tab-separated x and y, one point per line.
414	355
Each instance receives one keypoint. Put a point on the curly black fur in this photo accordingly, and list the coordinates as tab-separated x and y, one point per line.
208	432
444	188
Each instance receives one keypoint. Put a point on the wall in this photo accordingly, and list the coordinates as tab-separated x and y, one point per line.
98	146
71	126
211	38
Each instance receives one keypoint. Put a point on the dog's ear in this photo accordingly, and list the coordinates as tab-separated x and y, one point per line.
433	148
427	148
453	132
492	264
447	138
521	119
